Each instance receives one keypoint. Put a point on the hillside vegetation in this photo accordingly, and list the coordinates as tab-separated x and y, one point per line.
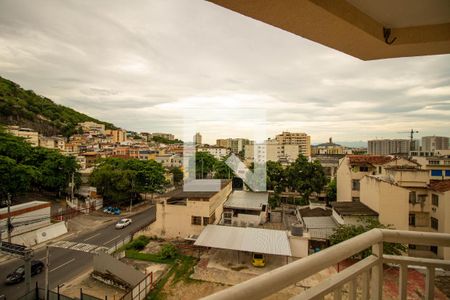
27	109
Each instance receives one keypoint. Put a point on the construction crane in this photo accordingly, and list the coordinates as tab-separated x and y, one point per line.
411	136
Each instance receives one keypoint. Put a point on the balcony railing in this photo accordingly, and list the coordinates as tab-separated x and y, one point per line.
369	270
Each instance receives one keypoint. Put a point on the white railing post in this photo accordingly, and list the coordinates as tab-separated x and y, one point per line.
377	272
402	281
338	293
365	285
429	284
352	287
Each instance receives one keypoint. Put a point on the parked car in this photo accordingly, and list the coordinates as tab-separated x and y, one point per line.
258	260
18	275
123	223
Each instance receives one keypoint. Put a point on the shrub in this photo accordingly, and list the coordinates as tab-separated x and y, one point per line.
138	244
168	251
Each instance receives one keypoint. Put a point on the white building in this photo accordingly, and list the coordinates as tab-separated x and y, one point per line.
245	209
217	152
433	143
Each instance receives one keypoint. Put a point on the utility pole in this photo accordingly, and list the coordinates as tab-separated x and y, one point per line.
47	254
9	225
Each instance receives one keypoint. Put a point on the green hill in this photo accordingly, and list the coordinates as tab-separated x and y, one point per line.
26	109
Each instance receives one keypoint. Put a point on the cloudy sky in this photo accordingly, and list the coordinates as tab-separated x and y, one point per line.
154	65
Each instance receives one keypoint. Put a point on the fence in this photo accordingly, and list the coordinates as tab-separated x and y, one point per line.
140	290
39	294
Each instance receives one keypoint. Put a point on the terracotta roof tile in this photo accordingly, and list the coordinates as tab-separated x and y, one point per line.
370	159
440	185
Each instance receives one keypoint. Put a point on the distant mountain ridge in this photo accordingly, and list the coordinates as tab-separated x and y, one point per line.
27	109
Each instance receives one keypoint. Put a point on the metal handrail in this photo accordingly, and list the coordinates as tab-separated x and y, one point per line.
275	280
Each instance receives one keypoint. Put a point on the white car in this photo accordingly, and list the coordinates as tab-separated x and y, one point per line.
123	223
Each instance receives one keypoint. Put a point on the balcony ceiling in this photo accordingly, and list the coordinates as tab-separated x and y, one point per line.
355	27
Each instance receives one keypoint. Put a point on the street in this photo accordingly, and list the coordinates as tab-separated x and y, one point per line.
65	264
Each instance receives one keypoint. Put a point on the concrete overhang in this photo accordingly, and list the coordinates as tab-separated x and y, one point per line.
366	29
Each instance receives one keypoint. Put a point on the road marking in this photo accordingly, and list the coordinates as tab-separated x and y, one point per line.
64	264
92	237
111	240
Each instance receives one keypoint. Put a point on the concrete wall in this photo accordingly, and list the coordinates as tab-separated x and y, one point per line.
390	201
50	232
343	181
174	221
442	213
106	264
299	245
35	213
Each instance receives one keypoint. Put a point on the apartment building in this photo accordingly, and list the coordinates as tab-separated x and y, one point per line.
28	134
440	213
433	143
352	168
237	145
117	135
167	136
438	166
197	139
217	152
169	160
52	142
391	146
246	209
284	153
408	200
295	138
92	127
180	214
225	143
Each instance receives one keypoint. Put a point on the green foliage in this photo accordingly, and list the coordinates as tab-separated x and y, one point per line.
204	164
276	176
23	104
345	232
222	170
162	140
331	190
177	175
274	200
118	179
168	251
138	244
134	254
306	177
24	168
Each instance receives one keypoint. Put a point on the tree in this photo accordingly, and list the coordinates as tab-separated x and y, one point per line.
306	177
177	174
118	179
345	232
331	190
204	164
276	176
222	170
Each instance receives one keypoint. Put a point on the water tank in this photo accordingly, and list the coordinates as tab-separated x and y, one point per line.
297	229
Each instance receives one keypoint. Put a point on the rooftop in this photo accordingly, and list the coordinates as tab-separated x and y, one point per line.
354	208
320	227
370	159
247	200
440	185
247	239
180	193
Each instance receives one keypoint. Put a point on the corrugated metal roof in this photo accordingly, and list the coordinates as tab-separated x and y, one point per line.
248	239
320	227
247	200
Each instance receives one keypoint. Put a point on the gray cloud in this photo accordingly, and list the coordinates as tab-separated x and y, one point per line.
138	65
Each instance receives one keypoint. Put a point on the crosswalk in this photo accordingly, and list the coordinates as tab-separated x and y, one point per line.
80	247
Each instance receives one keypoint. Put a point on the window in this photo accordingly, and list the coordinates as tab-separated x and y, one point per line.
434	223
412	220
421	198
412	197
434	162
435	200
355	199
205	221
434	249
227	216
447	173
355	185
379	170
436	172
195	220
364	169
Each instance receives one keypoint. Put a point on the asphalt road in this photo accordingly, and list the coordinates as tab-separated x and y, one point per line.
66	264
